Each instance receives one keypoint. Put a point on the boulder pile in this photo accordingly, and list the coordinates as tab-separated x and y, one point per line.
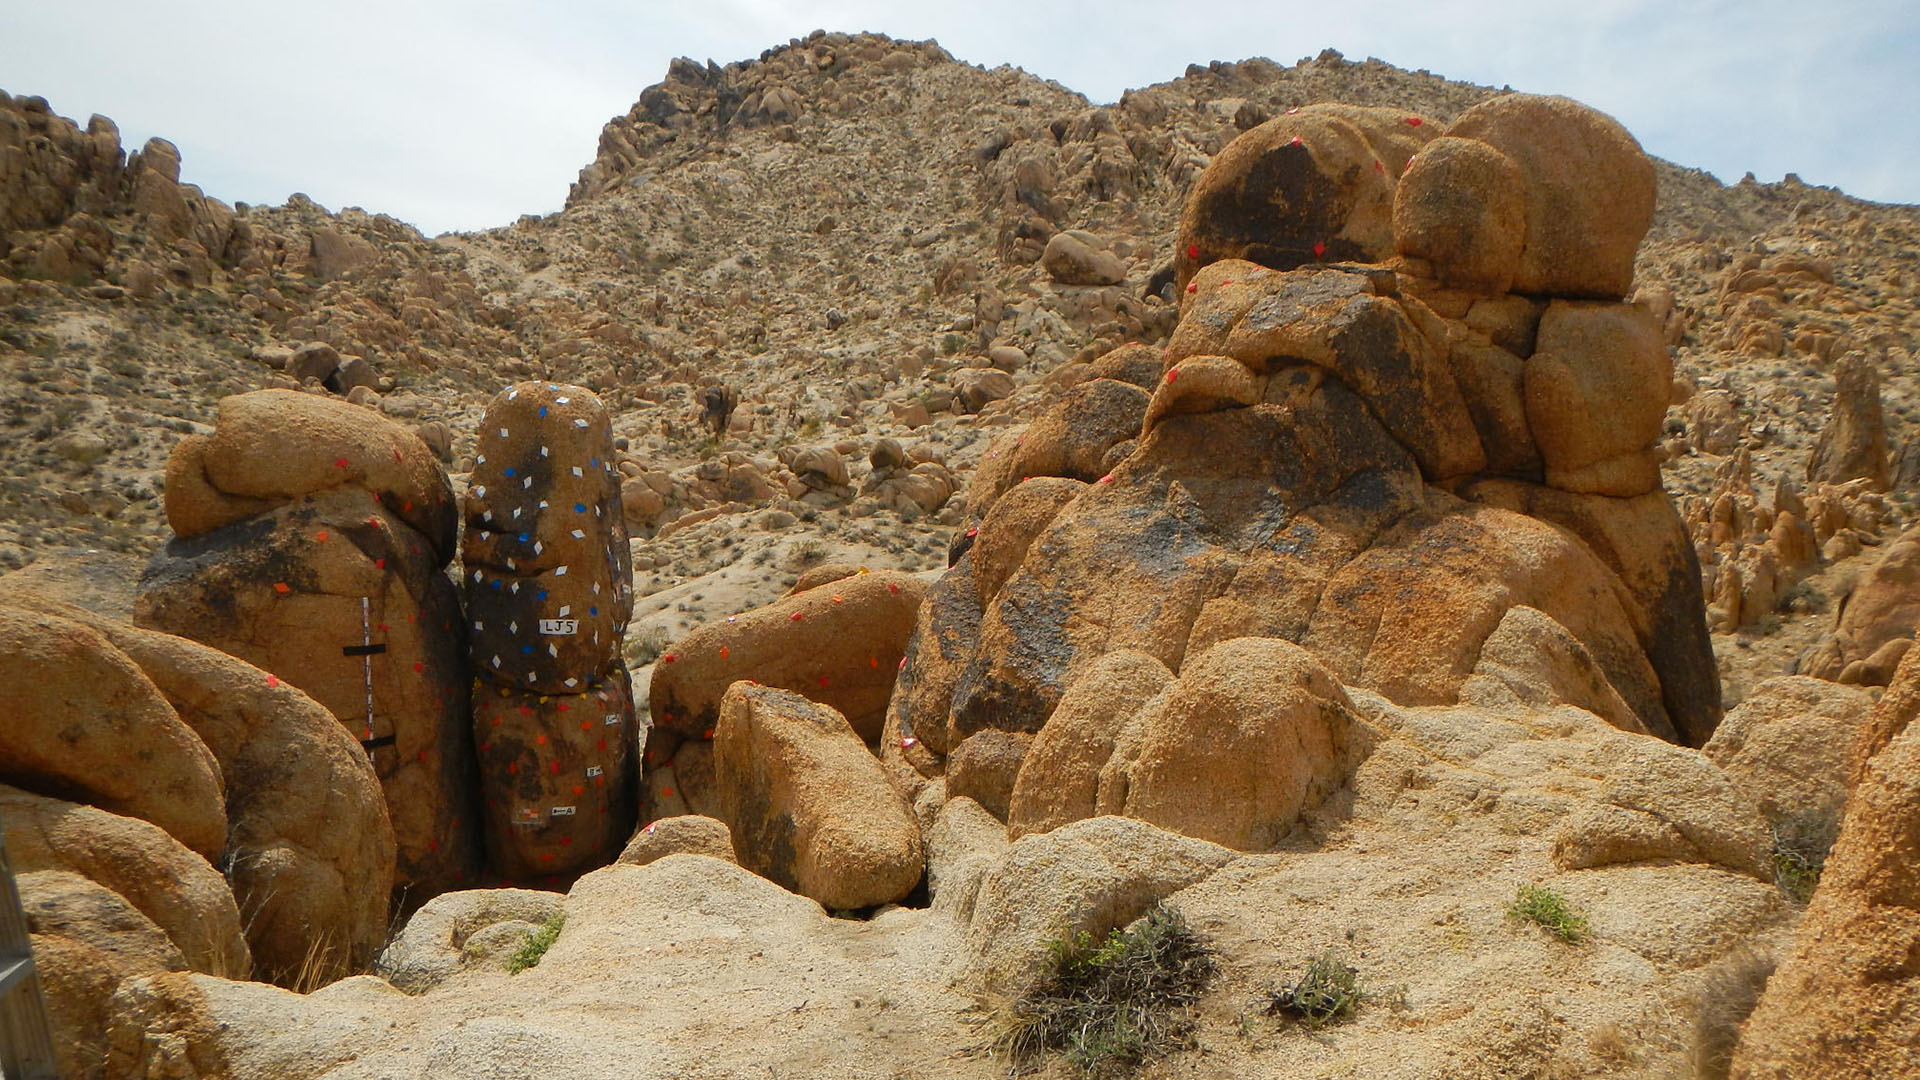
310	540
549	590
1403	438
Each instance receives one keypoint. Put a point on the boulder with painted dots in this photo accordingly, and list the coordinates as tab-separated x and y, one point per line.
839	644
1313	185
270	447
340	597
544	560
557	776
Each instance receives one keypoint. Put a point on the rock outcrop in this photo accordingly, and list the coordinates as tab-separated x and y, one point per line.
1845	1003
310	537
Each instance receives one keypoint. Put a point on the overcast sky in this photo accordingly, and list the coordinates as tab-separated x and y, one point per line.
465	114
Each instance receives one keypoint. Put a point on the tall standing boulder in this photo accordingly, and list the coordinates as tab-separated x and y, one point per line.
548	583
310	537
1853	444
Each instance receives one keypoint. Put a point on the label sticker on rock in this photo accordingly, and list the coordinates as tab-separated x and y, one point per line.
527	815
613	720
593	771
562	811
559	627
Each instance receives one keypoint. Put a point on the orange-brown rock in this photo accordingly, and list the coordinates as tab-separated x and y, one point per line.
79	712
839	644
1589	192
1881	611
807	805
1596	393
557	775
1845	1003
1313	185
1462	207
1853	444
344	600
273	446
1060	778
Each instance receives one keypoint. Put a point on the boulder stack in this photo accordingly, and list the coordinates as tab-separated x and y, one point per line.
310	541
549	591
1404	433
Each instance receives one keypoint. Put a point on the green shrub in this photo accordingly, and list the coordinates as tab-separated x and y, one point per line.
537	945
1327	994
1801	843
1110	1005
1549	910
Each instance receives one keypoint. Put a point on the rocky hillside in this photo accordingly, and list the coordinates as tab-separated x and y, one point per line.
1017	532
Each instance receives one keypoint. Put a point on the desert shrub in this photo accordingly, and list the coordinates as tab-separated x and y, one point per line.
537	945
1550	911
1326	994
1110	1005
1801	842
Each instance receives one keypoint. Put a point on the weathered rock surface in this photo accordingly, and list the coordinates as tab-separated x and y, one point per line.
687	834
432	945
1843	1002
807	805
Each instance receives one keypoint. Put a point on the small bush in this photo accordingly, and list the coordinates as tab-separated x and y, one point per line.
1801	843
1549	910
537	945
1110	1005
1327	994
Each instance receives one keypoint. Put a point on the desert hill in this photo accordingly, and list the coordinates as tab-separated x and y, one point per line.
911	271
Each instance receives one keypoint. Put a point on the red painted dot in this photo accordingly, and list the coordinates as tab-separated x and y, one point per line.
1193	287
873	661
579	789
903	663
562	706
339	463
1295	141
1378	167
1193	251
974	531
1319	249
586	725
383	628
668	658
823	680
565	840
322	536
423	757
433	845
797	616
725	652
513	767
282	588
546	856
273	680
893	588
1414	121
418	666
838	600
484	747
1173	376
381	563
396	455
554	768
496	721
666	793
1107	479
540	740
603	744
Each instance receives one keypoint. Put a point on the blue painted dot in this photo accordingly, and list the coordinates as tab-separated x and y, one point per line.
509	472
496	586
579	508
543	412
524	537
593	611
542	596
595	461
526	649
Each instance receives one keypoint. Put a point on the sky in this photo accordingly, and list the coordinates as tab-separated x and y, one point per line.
466	114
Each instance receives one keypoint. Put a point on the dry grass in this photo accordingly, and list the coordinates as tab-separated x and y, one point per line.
1728	998
1110	1006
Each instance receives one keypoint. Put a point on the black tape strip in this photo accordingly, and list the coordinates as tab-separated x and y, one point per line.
374	744
362	650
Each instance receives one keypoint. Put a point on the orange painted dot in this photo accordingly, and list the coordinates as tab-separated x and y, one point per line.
708	734
725	652
546	856
873	661
282	588
322	535
579	789
586	725
838	600
541	739
496	721
666	793
513	767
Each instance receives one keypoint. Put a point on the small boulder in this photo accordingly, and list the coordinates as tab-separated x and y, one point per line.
1071	260
687	834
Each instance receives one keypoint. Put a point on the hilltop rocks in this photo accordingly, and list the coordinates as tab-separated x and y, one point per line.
312	534
1853	445
549	591
1843	1002
807	805
839	643
1875	625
